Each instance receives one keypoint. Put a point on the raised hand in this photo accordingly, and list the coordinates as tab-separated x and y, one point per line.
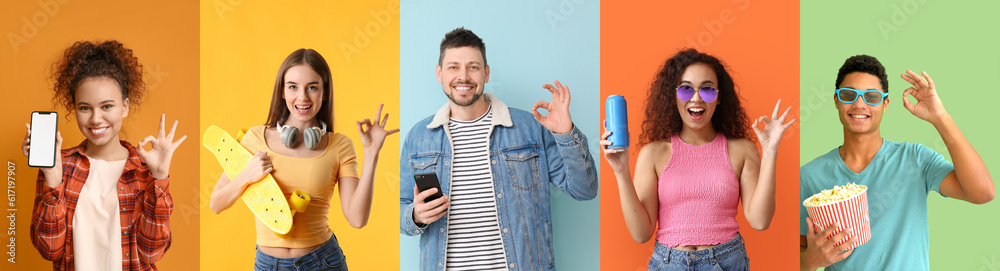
373	134
770	135
53	175
163	147
617	158
557	120
928	106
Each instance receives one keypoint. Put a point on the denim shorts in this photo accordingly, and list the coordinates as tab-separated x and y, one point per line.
731	255
326	257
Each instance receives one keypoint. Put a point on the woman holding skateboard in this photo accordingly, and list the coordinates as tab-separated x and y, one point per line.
297	146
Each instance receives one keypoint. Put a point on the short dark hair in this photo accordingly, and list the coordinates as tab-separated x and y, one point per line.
461	37
866	64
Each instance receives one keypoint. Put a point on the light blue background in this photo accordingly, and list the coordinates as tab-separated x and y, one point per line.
528	44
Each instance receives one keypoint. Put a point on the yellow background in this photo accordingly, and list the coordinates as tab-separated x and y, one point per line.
164	36
242	46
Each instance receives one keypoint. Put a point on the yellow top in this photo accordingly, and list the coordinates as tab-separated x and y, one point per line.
315	176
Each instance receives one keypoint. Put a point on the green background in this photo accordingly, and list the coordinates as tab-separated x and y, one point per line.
957	45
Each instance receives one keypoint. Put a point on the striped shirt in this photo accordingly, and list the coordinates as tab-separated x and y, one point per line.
474	241
145	204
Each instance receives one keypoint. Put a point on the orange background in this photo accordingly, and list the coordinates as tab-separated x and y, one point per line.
759	43
164	36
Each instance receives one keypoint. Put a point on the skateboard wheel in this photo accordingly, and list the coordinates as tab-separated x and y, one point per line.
299	201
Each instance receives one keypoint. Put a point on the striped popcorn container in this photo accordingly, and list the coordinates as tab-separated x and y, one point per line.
851	212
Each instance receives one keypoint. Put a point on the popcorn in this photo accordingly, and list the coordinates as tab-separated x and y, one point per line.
846	205
832	195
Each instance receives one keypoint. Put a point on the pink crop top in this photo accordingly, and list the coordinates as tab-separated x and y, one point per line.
698	194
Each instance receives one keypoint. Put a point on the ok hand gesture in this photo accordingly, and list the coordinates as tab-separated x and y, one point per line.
158	158
928	106
557	120
373	134
770	135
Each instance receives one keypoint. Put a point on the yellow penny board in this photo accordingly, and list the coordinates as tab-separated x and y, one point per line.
264	198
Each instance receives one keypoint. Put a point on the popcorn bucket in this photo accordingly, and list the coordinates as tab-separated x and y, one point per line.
851	212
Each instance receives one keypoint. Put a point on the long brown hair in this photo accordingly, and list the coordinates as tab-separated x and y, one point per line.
662	118
279	111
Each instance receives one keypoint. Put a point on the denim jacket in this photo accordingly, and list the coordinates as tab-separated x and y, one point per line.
524	158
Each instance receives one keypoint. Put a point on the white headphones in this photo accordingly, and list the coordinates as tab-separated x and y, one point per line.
311	136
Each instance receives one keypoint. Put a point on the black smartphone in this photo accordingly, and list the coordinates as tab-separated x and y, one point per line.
42	148
427	181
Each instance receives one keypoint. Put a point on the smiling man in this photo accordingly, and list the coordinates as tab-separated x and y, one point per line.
899	176
494	166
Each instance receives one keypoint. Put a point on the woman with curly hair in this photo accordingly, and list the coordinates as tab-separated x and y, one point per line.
299	148
105	205
696	163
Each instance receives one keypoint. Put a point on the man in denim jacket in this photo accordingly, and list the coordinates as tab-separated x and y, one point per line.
500	213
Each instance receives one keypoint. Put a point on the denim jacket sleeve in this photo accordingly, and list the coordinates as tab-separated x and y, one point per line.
406	184
571	167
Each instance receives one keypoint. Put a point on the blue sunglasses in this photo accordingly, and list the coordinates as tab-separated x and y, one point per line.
850	95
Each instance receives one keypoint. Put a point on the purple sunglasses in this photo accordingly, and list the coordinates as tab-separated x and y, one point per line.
686	92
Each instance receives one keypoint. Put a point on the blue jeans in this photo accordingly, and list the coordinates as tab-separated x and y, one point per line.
326	257
731	255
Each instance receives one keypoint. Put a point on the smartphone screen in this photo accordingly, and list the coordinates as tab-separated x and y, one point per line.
428	181
42	150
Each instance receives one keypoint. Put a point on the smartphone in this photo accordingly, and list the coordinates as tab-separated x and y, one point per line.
42	149
427	181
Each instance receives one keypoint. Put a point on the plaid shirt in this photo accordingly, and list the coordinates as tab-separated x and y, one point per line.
145	212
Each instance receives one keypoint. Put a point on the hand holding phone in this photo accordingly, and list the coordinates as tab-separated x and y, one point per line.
429	203
42	145
428	181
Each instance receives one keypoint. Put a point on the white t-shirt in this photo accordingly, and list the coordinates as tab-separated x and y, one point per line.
97	234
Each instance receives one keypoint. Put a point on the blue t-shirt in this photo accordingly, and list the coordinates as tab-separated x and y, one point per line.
899	178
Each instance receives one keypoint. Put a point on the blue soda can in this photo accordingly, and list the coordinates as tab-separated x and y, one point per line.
616	121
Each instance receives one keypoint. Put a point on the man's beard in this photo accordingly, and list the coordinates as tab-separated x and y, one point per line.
475	97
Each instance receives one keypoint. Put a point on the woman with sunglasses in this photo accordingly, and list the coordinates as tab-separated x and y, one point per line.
697	162
106	203
298	147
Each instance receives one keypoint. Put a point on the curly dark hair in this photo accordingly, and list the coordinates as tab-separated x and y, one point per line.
663	119
85	59
866	64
